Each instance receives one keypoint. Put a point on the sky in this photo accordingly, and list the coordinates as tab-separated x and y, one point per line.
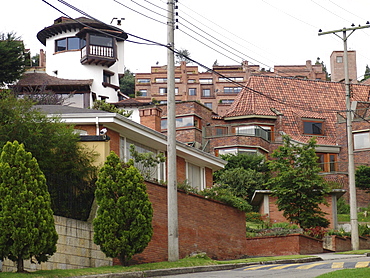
263	32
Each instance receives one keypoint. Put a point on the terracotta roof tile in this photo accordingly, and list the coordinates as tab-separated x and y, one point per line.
296	99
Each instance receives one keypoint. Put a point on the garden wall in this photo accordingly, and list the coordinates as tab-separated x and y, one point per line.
204	226
294	244
75	248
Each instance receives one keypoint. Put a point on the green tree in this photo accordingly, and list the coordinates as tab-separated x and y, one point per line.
243	174
127	84
123	225
12	58
68	167
362	177
367	73
297	183
182	55
324	69
105	106
26	219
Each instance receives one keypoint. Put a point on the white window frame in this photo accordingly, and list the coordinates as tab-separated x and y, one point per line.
202	182
364	136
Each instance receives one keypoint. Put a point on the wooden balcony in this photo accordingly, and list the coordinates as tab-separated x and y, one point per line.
98	55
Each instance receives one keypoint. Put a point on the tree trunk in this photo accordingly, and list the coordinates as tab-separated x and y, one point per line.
20	265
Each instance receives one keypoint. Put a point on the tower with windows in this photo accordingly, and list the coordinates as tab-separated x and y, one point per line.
80	49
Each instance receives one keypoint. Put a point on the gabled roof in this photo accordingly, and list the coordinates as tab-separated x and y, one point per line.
294	100
50	82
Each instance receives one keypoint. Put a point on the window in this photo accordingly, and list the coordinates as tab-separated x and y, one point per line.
107	76
71	43
208	104
339	59
206	92
228	79
191	80
195	175
161	80
177	80
162	91
327	162
205	81
232	90
238	150
192	91
143	80
221	130
254	130
156	172
361	140
183	122
101	40
312	127
143	93
227	101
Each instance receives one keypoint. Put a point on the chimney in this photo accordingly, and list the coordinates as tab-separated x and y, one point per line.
151	117
42	59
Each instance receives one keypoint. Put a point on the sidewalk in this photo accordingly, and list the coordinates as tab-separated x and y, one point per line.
186	270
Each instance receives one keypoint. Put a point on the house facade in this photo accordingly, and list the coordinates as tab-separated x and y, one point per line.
84	58
269	107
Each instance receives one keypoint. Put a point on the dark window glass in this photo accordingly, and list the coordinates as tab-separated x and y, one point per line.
312	128
101	41
61	45
73	43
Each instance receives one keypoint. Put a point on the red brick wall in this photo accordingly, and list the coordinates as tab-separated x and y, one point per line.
276	216
283	245
204	226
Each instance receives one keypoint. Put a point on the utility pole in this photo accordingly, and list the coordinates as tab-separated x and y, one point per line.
172	209
351	164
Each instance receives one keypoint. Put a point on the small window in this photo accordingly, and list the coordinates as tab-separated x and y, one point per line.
142	93
71	43
162	91
232	90
227	101
206	92
205	81
195	176
339	59
60	45
327	162
192	91
161	80
143	80
361	140
208	104
312	128
107	76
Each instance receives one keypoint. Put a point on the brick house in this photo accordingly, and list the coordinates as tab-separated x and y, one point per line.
269	107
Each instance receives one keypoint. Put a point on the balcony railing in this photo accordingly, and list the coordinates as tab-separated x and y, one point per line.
98	54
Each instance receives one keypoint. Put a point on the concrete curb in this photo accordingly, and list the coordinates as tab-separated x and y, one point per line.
193	269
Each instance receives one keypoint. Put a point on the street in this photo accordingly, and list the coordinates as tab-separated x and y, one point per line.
301	270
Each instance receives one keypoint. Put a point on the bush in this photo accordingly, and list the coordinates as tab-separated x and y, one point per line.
316	232
254	217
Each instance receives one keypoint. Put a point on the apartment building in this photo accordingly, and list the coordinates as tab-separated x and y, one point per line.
216	88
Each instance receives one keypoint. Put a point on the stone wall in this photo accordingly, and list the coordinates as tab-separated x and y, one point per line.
75	248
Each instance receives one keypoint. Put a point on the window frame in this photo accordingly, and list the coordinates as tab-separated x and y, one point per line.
67	42
326	163
312	123
365	142
192	91
191	175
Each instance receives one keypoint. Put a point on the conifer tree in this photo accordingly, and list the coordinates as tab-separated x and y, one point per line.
26	219
123	226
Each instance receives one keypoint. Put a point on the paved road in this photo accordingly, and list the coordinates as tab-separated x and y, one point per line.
300	270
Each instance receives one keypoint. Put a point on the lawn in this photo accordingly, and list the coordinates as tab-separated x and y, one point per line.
348	273
187	262
360	217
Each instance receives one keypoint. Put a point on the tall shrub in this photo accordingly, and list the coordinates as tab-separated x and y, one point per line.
123	226
26	219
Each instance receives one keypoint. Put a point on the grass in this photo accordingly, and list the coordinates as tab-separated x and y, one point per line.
360	217
355	252
187	262
348	273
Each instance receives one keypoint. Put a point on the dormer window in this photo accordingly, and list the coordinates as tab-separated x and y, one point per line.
313	127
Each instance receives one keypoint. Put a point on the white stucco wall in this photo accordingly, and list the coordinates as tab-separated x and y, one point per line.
68	66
